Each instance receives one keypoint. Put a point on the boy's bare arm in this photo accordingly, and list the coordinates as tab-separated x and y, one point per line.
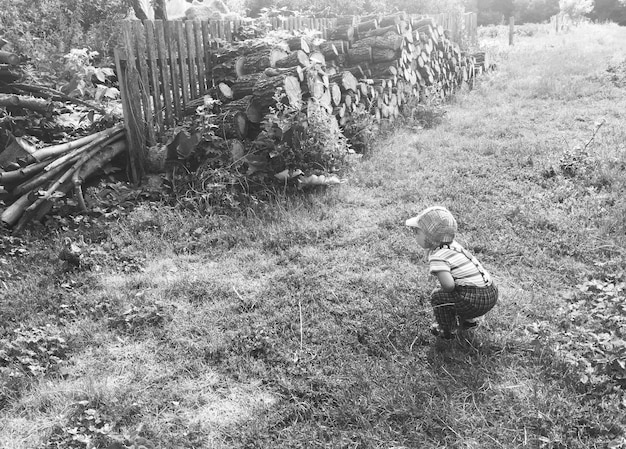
446	281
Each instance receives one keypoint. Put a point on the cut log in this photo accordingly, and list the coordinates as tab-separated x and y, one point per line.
221	92
383	54
381	31
368	25
298	43
344	33
248	106
329	50
335	93
257	62
345	80
359	55
392	41
232	124
392	19
296	71
265	89
295	58
244	85
382	70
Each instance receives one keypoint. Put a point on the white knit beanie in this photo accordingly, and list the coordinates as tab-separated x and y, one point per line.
437	223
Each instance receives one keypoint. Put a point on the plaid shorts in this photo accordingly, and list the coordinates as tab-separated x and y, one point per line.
464	302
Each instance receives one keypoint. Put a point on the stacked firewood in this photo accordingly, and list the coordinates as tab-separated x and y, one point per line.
32	178
374	63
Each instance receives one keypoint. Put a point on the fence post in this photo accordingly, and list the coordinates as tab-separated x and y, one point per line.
131	104
511	29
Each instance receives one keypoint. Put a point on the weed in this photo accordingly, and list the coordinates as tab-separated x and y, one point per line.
32	352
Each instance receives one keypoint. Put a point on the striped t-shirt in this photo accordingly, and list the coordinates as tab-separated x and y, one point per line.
464	268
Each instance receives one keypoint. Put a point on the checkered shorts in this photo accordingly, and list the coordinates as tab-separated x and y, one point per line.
464	302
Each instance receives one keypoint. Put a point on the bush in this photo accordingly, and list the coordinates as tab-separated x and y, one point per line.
44	30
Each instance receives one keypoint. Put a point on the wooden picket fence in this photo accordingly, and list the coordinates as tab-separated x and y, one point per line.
164	65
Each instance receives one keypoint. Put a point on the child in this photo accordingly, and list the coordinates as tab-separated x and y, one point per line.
467	290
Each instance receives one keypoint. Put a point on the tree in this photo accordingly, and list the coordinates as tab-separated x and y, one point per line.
576	9
535	11
494	11
609	10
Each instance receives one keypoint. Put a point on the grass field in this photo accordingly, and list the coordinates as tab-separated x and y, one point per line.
304	323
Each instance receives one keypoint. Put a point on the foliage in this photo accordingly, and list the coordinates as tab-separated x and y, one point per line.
362	131
43	30
609	10
85	80
594	340
493	11
32	352
576	9
535	11
86	428
309	141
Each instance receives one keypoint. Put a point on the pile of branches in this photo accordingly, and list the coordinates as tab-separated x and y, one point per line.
43	158
32	179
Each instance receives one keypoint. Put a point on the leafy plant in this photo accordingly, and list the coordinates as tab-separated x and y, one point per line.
33	352
310	140
85	428
139	317
361	132
86	80
595	337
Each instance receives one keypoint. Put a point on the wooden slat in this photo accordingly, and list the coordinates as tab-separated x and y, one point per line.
129	86
171	39
146	98
199	48
182	63
164	67
153	64
228	34
208	63
191	59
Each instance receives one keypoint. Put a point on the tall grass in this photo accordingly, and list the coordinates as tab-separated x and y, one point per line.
304	322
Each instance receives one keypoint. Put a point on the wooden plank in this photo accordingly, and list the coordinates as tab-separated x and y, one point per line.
228	33
182	64
154	75
213	29
142	66
199	47
164	67
171	39
208	49
129	84
191	59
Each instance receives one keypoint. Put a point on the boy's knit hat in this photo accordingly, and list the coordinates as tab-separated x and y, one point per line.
437	223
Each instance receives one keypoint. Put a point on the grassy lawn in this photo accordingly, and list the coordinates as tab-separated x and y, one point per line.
304	323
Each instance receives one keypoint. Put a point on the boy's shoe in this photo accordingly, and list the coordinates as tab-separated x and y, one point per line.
469	324
438	332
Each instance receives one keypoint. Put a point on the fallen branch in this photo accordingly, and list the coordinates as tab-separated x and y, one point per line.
56	95
53	172
93	165
56	150
24	102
